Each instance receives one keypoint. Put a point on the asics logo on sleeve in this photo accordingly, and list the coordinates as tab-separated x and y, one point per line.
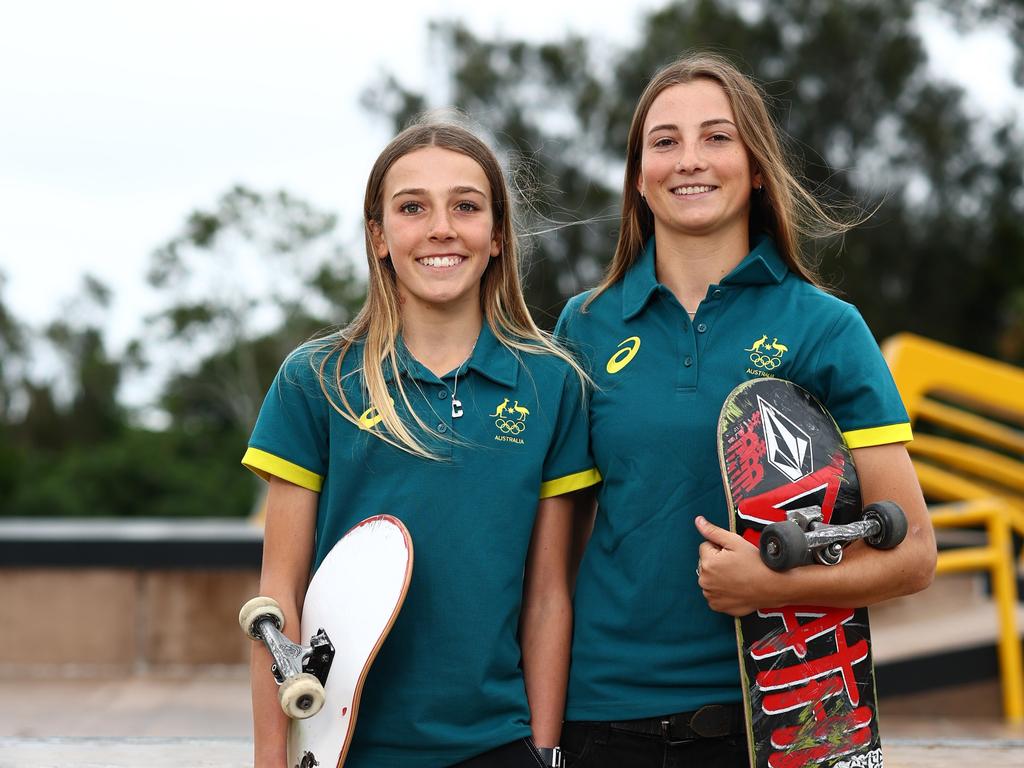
627	351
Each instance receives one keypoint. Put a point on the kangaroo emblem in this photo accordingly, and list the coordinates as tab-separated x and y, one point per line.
517	408
781	349
501	407
760	343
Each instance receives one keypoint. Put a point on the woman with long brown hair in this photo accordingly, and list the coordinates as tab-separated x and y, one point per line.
709	286
444	405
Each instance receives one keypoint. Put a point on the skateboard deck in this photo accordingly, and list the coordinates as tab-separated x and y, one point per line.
350	606
807	674
355	596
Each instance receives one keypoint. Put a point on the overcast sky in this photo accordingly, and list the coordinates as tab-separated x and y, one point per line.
119	118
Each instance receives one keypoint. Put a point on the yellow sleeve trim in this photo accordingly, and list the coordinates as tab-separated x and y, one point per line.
865	438
569	483
266	464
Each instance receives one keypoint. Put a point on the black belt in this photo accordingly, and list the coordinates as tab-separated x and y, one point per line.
710	721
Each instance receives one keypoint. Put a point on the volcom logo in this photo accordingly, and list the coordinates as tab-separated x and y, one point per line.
789	447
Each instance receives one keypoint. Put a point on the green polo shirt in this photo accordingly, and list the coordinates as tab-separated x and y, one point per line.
447	683
645	642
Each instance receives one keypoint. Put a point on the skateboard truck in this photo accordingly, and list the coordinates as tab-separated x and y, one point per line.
803	537
301	671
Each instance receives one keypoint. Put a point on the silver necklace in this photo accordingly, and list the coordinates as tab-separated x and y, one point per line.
456	403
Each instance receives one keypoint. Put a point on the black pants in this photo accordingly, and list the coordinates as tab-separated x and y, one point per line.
598	745
515	754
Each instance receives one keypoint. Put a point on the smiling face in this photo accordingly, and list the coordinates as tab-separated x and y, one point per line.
695	172
437	228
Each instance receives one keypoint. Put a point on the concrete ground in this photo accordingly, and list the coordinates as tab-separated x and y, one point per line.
172	720
212	706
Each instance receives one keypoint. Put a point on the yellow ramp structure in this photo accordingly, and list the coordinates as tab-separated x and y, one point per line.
967	413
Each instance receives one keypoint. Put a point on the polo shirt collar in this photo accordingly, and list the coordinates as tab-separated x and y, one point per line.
640	283
490	358
493	359
762	266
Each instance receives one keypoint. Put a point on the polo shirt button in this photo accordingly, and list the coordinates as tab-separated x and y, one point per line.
701	328
442	394
717	294
442	428
687	361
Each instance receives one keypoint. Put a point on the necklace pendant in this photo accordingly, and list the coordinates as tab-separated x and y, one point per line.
456	408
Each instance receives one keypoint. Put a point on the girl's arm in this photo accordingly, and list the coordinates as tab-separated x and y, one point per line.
287	557
545	624
736	582
584	516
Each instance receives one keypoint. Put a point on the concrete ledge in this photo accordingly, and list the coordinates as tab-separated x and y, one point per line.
103	597
129	543
121	620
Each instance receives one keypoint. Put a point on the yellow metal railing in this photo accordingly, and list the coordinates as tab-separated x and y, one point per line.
997	559
975	462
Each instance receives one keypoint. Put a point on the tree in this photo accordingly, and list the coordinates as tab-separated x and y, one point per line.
13	389
848	82
244	283
94	413
13	347
1007	15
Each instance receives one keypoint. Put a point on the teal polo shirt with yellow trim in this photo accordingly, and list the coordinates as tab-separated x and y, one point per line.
645	642
447	683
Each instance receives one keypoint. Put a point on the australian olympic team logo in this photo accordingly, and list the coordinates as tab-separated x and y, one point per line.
510	420
766	356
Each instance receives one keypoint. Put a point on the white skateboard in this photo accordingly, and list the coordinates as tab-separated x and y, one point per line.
350	606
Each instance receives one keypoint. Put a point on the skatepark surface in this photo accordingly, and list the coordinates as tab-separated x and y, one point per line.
204	722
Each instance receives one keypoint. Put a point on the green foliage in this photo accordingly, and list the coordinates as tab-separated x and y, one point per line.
143	473
73	450
867	122
243	284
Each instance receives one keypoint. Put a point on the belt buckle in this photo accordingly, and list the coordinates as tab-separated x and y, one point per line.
676	731
711	721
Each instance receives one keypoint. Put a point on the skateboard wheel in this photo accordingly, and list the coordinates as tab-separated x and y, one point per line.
301	696
257	608
892	521
783	546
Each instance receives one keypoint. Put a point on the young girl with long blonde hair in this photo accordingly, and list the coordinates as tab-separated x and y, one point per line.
444	405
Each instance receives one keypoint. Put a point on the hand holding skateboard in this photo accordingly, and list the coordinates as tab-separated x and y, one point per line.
804	538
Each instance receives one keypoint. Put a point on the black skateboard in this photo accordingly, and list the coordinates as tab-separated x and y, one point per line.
792	490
